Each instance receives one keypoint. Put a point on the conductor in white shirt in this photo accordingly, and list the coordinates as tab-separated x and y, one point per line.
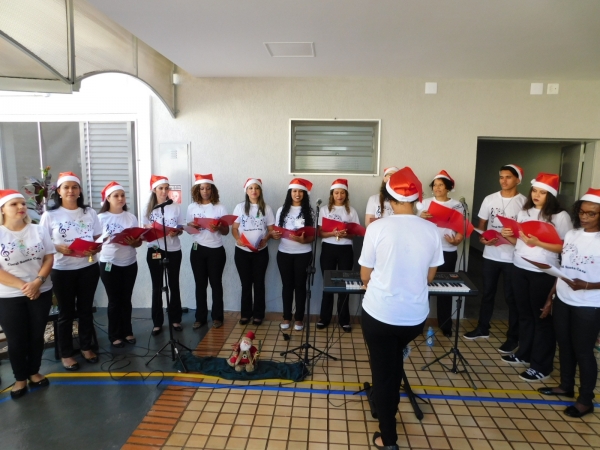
400	255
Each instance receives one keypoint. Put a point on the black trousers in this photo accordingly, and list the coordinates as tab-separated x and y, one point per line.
444	302
252	267
336	257
157	276
577	328
491	273
119	284
386	351
24	322
75	288
537	343
292	268
208	265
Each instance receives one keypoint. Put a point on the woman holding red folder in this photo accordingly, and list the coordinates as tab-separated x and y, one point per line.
207	256
295	253
377	205
255	221
74	279
173	218
118	264
336	250
531	286
441	185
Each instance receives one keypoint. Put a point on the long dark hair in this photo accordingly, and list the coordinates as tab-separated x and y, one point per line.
106	206
551	206
261	204
57	201
306	210
332	201
152	202
383	196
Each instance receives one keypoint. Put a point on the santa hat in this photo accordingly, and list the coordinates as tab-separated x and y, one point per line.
250	335
157	180
592	195
446	175
67	176
8	194
202	179
340	183
404	186
300	183
389	170
547	181
251	181
109	189
519	171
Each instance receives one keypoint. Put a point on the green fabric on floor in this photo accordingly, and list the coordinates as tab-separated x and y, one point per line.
218	367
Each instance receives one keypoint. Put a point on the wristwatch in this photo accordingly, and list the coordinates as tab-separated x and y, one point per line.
43	279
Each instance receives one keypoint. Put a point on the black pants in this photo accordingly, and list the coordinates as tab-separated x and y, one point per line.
577	328
251	267
292	268
444	302
119	284
336	257
491	273
24	322
537	343
208	265
156	273
386	350
75	288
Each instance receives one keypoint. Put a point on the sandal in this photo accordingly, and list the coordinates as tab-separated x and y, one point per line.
383	447
217	324
257	322
244	321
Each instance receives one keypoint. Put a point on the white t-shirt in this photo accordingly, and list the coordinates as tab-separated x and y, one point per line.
452	204
580	259
400	249
340	214
254	224
117	254
374	207
293	221
495	205
206	238
173	218
64	226
562	223
22	254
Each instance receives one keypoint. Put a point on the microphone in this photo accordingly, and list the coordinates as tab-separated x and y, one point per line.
162	205
464	203
319	201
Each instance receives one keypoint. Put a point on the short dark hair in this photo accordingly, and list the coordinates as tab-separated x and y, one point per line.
448	183
511	169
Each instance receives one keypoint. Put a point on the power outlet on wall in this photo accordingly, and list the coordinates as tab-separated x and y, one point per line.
552	88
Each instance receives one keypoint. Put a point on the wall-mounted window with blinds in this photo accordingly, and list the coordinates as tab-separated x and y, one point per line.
343	147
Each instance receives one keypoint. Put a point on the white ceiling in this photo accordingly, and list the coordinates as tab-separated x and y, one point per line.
537	40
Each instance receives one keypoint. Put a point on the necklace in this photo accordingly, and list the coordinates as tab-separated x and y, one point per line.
506	206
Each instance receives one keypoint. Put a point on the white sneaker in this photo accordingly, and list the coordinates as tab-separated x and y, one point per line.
284	326
298	327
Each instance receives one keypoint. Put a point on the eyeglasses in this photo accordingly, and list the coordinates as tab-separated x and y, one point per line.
589	214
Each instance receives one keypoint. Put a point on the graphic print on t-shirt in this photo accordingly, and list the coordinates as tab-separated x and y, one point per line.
7	250
113	228
249	223
571	255
80	227
494	213
156	216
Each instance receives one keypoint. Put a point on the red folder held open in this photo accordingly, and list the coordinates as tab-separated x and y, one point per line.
352	228
133	232
490	234
79	246
156	232
445	217
253	247
285	233
544	231
207	223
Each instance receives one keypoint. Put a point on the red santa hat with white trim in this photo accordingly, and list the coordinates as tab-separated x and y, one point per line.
547	181
67	176
592	195
404	186
519	170
203	179
340	183
251	181
300	183
390	170
446	175
7	195
109	189
157	180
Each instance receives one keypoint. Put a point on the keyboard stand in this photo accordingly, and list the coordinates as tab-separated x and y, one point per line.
454	351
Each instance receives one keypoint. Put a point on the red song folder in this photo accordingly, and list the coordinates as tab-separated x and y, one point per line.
190	230
133	232
352	228
79	246
253	247
445	217
156	232
490	234
207	223
544	231
285	233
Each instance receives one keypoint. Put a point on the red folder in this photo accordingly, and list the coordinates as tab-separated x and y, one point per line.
352	228
227	219
156	232
445	217
79	246
191	230
247	243
133	232
544	231
285	233
206	222
490	234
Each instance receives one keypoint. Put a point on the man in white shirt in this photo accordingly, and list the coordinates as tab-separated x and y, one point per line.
498	260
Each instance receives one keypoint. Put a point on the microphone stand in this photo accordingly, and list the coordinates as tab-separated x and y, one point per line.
310	270
165	266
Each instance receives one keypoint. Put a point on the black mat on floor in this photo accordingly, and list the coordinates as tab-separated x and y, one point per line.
218	367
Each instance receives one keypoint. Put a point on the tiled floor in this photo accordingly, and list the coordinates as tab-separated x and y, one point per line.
322	412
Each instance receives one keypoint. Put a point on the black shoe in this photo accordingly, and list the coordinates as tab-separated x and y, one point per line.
132	341
447	333
508	347
178	327
321	325
383	447
244	321
572	411
118	344
476	334
347	328
156	331
21	392
257	322
42	383
92	360
217	323
550	391
72	367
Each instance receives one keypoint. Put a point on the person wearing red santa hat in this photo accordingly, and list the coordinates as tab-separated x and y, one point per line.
531	286
118	263
441	185
159	185
400	256
255	221
575	304
207	256
295	253
74	279
497	259
25	294
377	206
336	250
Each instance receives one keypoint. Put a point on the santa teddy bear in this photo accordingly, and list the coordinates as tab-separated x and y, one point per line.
244	354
